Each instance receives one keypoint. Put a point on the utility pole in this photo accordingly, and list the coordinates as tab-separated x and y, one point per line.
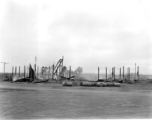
4	65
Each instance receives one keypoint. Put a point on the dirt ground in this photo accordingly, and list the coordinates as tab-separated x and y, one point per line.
45	101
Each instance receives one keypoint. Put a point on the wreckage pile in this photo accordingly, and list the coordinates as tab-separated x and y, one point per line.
60	74
55	73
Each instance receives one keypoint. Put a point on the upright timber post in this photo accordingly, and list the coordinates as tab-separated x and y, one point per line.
35	67
138	72
27	71
114	73
19	70
129	72
4	66
67	73
53	72
123	73
70	72
106	73
37	71
62	60
120	74
42	70
135	71
15	70
24	71
12	70
98	72
49	72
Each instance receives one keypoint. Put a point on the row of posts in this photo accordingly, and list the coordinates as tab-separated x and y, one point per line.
26	70
128	73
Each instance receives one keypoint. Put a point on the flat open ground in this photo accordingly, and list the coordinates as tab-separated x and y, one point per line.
42	101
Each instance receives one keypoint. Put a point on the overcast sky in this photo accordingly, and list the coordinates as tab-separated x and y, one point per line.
88	33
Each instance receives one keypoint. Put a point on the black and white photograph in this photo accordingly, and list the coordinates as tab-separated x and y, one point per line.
75	59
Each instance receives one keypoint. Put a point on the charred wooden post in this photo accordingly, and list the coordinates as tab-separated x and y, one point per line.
129	73
135	71
70	72
27	71
4	66
49	72
42	70
138	73
120	74
35	68
53	72
106	73
15	70
98	72
37	71
19	70
114	73
123	73
12	70
62	60
24	71
67	73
